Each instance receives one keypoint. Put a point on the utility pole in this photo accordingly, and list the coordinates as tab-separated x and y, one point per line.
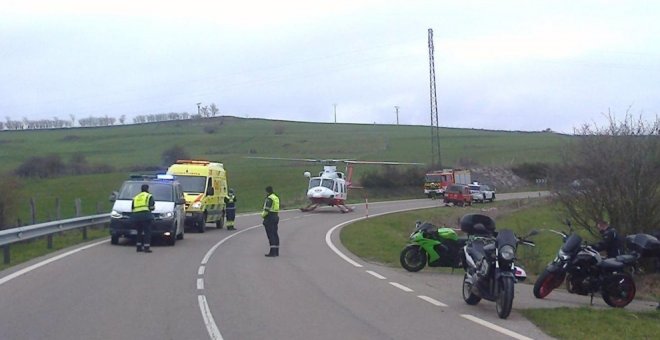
435	127
397	114
335	105
199	109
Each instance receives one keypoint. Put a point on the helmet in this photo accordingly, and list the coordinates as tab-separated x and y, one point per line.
231	191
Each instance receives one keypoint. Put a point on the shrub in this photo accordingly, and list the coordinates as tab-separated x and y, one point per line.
171	155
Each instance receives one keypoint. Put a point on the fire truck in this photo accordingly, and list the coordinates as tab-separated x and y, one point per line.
436	182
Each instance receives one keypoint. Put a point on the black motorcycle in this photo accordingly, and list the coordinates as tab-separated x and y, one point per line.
586	272
489	263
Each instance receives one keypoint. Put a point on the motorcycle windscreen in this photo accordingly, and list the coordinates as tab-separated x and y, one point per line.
572	244
506	237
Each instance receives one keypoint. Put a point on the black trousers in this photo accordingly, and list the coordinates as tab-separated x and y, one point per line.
270	223
143	232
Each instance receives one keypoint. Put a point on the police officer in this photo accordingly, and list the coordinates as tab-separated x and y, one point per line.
612	242
271	219
143	219
230	208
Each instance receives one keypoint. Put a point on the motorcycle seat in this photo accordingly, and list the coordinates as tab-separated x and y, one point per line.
610	264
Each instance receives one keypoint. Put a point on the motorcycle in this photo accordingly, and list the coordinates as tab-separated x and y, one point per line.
437	247
489	263
586	272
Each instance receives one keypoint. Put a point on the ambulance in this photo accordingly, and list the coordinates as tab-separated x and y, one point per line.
205	188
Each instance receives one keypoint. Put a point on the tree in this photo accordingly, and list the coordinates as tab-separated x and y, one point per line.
613	173
214	109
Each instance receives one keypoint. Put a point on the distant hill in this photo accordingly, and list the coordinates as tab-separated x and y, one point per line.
129	148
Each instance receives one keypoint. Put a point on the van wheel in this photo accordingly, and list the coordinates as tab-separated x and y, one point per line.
114	239
220	222
201	225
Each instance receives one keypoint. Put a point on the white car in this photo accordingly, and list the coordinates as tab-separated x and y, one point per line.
482	193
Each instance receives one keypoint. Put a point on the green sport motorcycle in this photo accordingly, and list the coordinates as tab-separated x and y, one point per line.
437	247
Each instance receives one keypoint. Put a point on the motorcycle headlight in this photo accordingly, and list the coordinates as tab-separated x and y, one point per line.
115	214
562	256
197	205
507	252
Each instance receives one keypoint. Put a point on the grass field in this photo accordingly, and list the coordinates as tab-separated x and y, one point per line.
230	140
382	238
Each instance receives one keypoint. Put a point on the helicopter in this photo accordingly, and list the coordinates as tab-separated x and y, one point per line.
330	187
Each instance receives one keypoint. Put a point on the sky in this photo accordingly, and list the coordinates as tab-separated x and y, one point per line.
501	65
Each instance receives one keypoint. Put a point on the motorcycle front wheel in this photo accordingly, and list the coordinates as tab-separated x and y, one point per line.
469	298
547	282
504	300
619	290
413	258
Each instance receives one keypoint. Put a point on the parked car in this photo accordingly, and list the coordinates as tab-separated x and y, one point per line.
168	215
481	193
458	194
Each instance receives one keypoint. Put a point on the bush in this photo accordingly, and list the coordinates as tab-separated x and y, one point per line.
42	167
532	171
9	189
171	155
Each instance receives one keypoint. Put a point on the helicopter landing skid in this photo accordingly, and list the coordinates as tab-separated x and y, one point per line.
344	208
310	207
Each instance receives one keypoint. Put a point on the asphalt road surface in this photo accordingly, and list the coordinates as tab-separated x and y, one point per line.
218	285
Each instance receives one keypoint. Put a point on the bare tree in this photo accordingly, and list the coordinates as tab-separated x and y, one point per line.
214	109
613	173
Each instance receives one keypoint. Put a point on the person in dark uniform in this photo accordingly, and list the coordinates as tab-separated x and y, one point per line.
271	220
142	206
612	242
230	208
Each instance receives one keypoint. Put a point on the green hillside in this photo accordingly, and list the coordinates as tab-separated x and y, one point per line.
230	140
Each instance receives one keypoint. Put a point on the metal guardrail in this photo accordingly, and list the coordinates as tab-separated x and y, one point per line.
13	235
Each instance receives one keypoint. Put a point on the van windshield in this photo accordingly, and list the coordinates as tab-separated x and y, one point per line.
192	184
160	191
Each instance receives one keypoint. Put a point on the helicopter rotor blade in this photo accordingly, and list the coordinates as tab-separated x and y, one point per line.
382	162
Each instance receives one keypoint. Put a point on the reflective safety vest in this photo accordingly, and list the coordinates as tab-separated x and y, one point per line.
275	206
141	202
231	199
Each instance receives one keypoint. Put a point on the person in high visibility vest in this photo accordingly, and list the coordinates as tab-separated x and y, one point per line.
230	208
271	220
142	206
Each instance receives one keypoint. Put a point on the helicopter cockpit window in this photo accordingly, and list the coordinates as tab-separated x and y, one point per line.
328	183
314	182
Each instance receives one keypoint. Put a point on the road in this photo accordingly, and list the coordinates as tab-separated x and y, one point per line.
218	285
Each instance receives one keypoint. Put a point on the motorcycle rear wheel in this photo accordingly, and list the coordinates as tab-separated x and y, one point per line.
619	290
546	283
504	301
469	298
413	258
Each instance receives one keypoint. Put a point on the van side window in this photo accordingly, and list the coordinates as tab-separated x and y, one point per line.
209	187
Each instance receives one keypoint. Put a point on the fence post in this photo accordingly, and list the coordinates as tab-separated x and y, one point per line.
33	211
78	205
58	208
49	239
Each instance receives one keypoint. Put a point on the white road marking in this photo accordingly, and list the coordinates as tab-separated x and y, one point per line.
495	327
201	270
376	275
402	287
211	327
200	284
432	301
328	235
45	262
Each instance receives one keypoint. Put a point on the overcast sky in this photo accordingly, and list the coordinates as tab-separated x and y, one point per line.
506	65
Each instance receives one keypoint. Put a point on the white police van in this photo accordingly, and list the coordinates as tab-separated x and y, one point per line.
169	211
